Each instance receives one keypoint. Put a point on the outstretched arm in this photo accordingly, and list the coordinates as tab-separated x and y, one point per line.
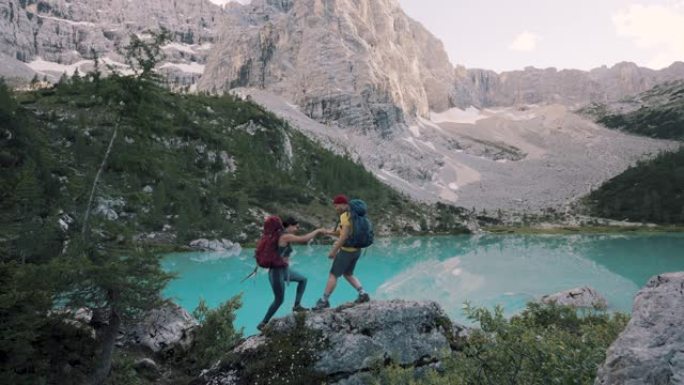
333	233
291	238
344	234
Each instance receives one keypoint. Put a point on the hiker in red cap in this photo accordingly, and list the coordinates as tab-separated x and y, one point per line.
344	258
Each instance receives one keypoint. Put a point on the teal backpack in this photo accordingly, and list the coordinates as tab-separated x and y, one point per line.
362	228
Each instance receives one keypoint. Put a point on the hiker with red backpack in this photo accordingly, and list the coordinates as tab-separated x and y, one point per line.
273	252
354	232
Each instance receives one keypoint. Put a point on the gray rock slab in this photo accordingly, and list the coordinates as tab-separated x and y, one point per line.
163	330
650	351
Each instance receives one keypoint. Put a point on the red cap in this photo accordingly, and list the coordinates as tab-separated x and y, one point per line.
340	199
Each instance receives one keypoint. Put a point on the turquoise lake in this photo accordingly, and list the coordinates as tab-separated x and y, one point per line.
485	270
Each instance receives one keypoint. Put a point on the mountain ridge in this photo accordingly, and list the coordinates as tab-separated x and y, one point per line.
55	36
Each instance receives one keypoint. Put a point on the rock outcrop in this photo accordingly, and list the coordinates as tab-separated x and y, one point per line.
362	64
581	297
164	330
650	351
354	339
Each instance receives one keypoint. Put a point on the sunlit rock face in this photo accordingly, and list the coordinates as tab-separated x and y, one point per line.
360	63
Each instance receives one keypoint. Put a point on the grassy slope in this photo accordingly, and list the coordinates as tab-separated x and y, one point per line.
214	166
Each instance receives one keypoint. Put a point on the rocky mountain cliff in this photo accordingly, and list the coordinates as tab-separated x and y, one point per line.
362	64
368	65
50	37
484	88
515	159
365	67
359	63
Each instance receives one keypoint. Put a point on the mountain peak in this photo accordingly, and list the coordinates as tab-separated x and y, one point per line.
361	63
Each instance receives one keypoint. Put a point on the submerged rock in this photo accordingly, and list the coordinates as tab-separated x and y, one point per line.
580	297
651	348
353	339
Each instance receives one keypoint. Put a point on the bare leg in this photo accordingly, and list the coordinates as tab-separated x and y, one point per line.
353	281
330	286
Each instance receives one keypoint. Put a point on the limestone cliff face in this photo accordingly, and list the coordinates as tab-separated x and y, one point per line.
483	88
55	36
649	350
361	63
16	38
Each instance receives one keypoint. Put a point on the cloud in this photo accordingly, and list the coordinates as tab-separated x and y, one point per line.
524	42
655	27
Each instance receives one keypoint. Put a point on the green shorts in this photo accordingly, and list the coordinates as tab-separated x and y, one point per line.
344	263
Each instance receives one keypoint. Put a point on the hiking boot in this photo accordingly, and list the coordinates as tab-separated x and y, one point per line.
321	304
362	298
298	308
261	326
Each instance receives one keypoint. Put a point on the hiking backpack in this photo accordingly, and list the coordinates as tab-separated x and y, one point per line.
266	253
362	228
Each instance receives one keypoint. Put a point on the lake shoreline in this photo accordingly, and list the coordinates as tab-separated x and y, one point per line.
548	229
566	230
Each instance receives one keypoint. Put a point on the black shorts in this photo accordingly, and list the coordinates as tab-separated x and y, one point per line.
344	263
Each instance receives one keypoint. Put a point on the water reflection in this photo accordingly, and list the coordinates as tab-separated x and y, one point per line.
486	270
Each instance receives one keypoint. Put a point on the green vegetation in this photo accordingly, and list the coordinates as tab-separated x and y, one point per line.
187	166
96	170
653	190
52	263
546	344
216	335
124	373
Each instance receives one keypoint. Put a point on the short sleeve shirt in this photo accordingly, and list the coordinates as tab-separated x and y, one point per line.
345	220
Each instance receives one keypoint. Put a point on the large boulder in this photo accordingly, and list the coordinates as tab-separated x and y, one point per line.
405	332
651	348
164	330
353	339
580	297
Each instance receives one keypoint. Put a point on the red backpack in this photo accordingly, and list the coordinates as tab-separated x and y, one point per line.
267	249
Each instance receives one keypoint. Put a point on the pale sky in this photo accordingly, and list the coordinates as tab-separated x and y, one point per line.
504	35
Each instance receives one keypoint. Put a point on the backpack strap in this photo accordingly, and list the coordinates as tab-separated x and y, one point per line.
253	273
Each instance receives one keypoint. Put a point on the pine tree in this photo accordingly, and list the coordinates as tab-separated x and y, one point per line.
76	77
120	287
